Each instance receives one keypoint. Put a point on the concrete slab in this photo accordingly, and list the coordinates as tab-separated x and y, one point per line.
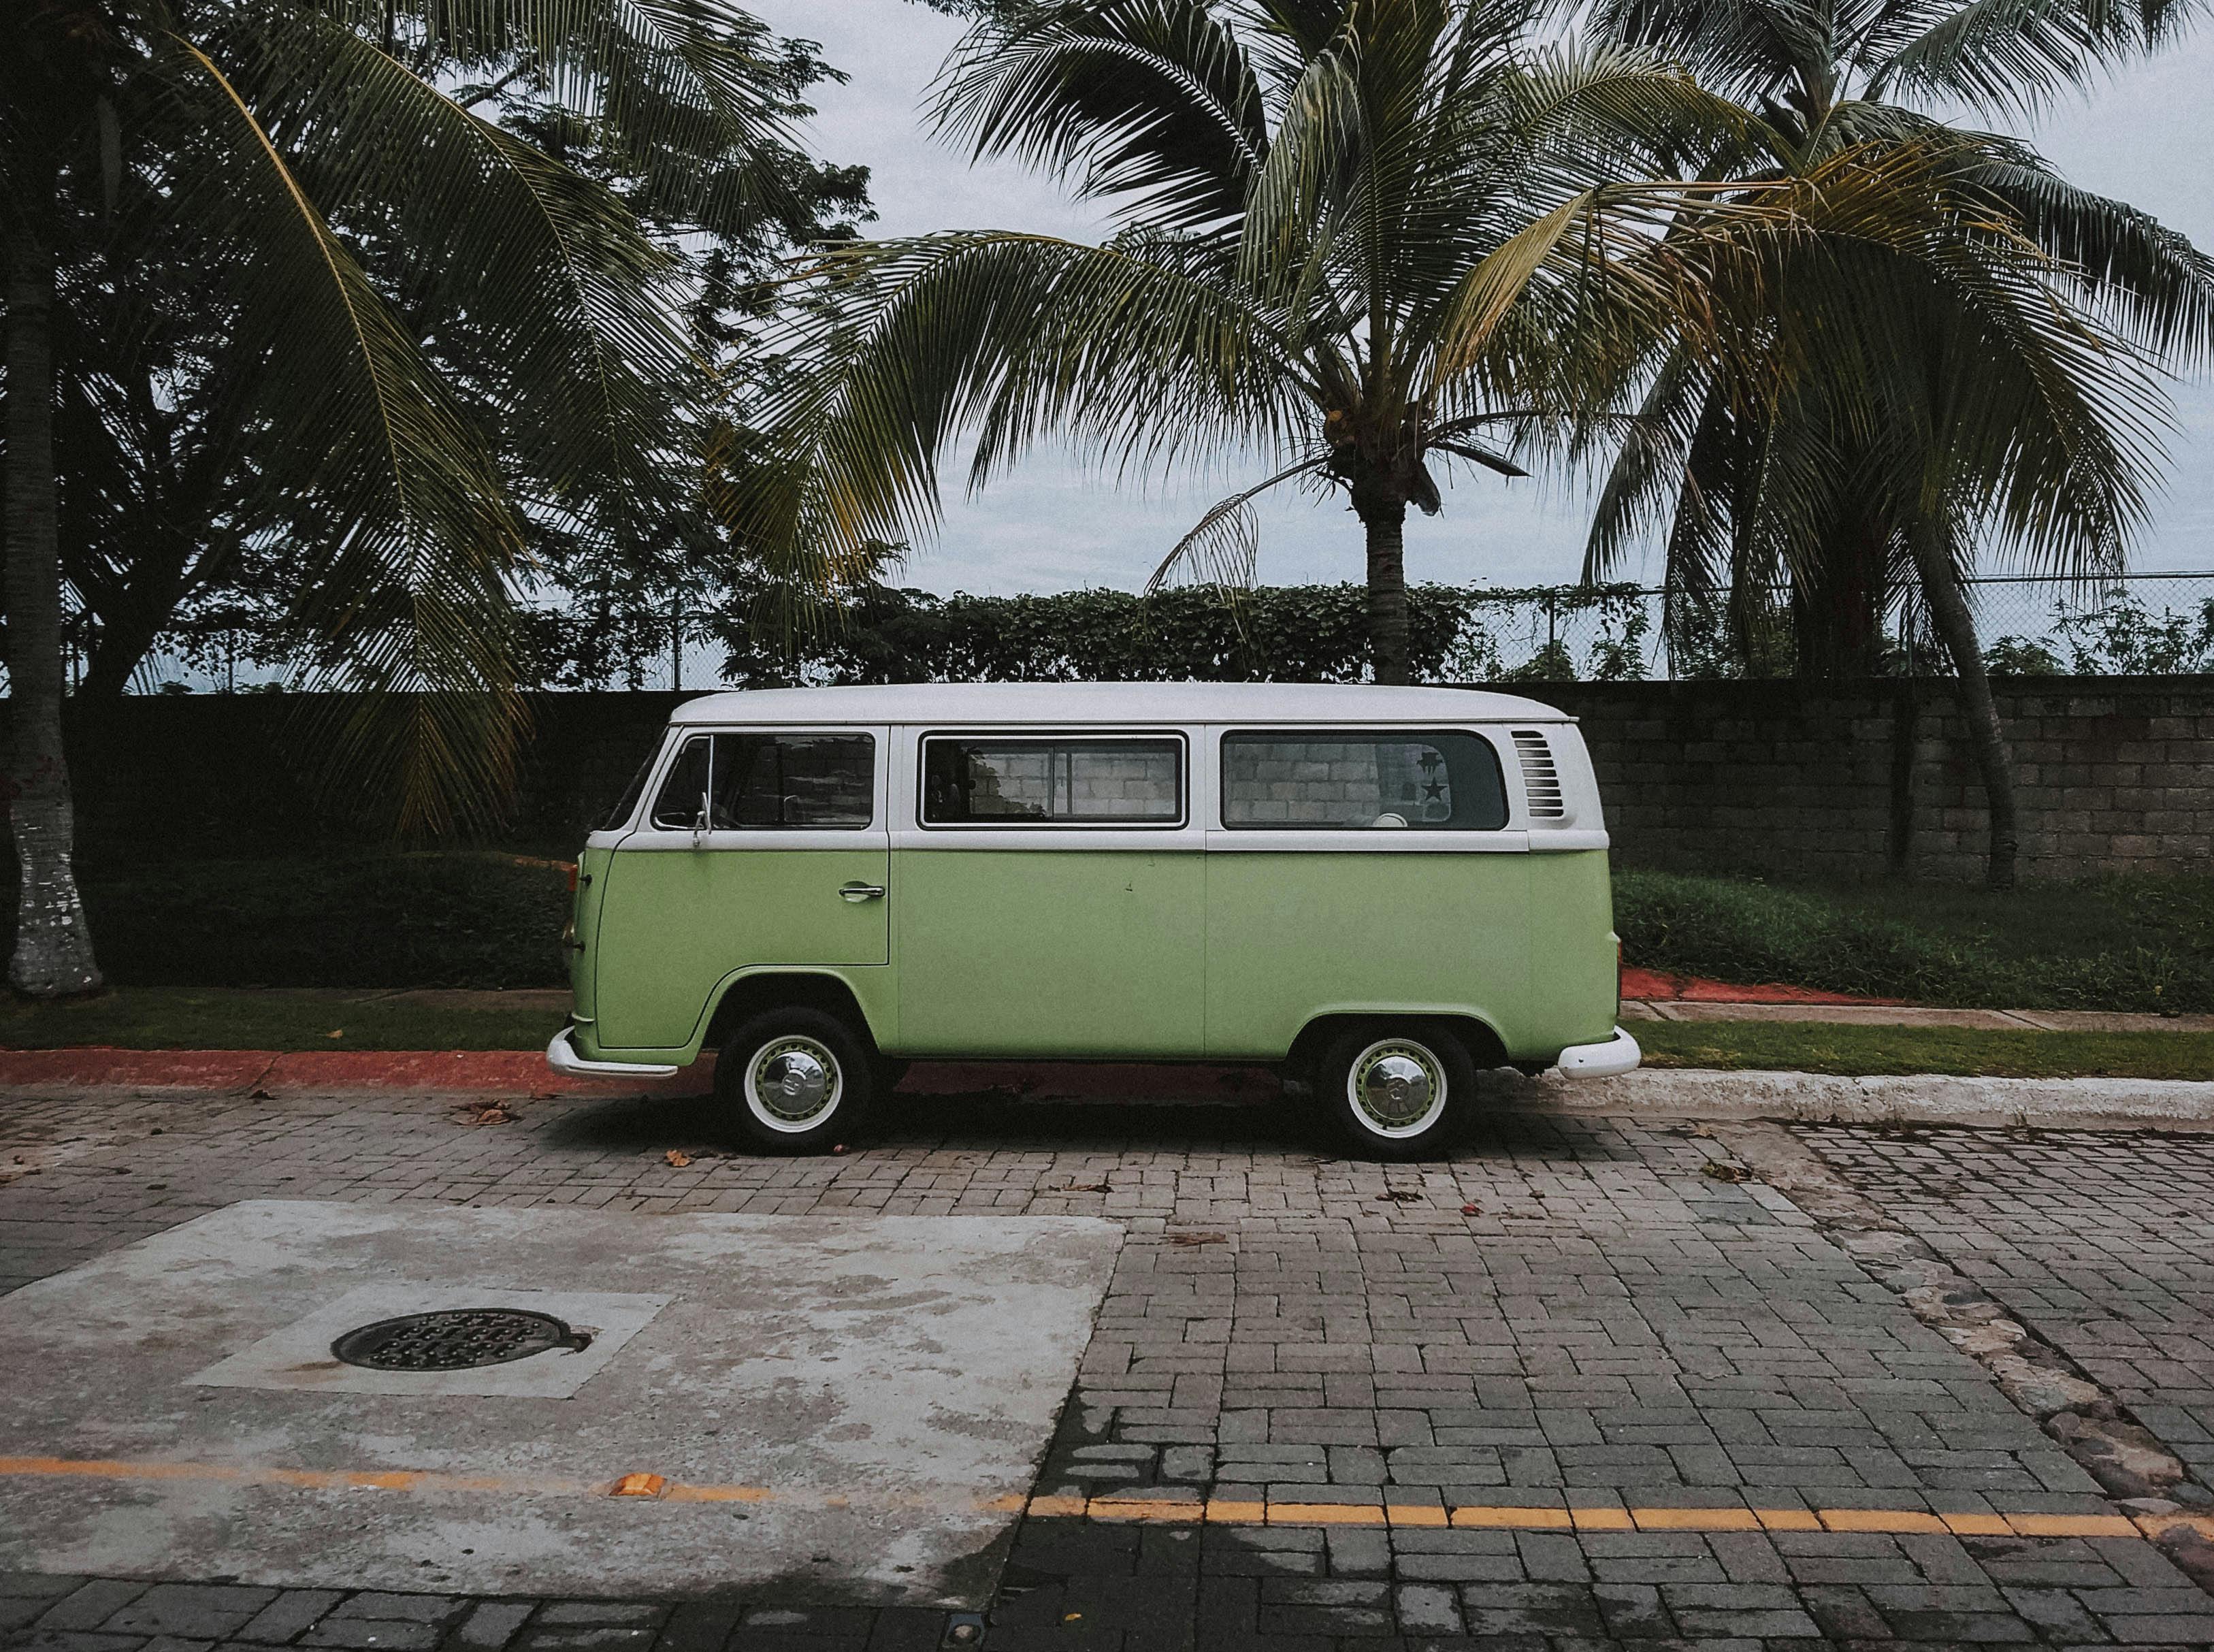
857	1400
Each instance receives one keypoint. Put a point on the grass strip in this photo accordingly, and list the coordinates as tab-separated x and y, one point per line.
191	1017
186	1018
1868	1051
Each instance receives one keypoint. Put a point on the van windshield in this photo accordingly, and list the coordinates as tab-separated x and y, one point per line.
619	816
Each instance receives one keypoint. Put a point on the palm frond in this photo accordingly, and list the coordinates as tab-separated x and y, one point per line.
673	78
1224	546
2011	55
542	270
912	342
2147	276
410	613
1150	102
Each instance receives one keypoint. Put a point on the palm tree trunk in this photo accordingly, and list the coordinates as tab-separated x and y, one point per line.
1386	525
53	946
1948	608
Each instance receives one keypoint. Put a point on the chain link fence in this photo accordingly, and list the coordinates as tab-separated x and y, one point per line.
2146	624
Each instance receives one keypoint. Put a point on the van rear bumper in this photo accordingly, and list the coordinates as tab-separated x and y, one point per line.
561	1055
1619	1054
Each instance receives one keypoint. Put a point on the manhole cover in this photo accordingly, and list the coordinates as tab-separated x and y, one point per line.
455	1339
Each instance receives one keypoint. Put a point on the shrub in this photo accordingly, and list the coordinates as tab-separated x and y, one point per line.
475	919
2115	944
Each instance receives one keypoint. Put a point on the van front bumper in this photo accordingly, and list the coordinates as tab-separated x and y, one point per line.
1619	1054
561	1055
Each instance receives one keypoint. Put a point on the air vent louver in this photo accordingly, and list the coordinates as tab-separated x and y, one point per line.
1541	780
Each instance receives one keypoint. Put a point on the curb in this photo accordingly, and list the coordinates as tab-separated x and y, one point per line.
1916	1098
1670	1092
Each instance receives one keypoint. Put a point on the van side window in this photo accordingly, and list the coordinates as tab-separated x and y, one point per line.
1331	779
771	782
1052	781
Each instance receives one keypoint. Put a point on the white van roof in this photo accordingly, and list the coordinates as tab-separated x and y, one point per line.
1114	703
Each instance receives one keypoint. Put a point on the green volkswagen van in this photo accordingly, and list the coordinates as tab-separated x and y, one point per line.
1381	890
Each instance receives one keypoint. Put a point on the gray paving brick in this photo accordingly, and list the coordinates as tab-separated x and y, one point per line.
385	1634
489	1625
88	1605
291	1613
192	1611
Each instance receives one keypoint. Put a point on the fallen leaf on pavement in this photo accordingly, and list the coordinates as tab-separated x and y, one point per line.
335	1032
677	1158
1717	1169
489	1113
1472	1210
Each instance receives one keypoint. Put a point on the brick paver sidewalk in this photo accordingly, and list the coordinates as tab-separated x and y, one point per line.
1583	1317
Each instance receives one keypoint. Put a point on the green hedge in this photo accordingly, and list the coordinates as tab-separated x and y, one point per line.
2135	944
1285	633
465	919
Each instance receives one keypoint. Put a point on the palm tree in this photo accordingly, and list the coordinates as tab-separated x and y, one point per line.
1376	238
287	148
1899	405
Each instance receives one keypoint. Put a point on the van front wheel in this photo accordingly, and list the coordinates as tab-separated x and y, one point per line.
1395	1091
799	1079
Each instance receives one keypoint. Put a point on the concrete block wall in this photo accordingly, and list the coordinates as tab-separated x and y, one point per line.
1841	780
1854	781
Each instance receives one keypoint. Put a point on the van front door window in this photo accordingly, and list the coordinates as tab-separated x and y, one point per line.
769	782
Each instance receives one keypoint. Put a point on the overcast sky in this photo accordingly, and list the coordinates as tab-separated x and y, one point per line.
1056	525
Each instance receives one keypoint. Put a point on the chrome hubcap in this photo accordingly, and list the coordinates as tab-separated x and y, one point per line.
1397	1086
793	1082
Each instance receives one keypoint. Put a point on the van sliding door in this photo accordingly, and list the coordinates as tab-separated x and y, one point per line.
1051	897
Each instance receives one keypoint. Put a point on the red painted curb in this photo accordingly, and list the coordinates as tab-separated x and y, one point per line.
191	1069
503	1072
1649	984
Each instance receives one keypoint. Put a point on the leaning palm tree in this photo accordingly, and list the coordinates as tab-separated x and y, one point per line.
1374	239
313	161
1985	386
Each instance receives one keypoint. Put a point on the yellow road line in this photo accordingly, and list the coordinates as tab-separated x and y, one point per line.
645	1485
1515	1517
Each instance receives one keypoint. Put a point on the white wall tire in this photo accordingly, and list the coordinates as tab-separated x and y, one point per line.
1396	1090
797	1080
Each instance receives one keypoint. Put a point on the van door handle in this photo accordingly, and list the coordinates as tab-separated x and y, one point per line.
860	892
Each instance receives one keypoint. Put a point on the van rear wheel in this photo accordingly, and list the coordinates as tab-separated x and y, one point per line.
1394	1090
799	1080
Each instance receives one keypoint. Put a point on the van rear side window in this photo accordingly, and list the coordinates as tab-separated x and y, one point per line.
1052	782
1332	779
770	782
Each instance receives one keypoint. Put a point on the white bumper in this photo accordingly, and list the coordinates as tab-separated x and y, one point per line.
1619	1054
561	1055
